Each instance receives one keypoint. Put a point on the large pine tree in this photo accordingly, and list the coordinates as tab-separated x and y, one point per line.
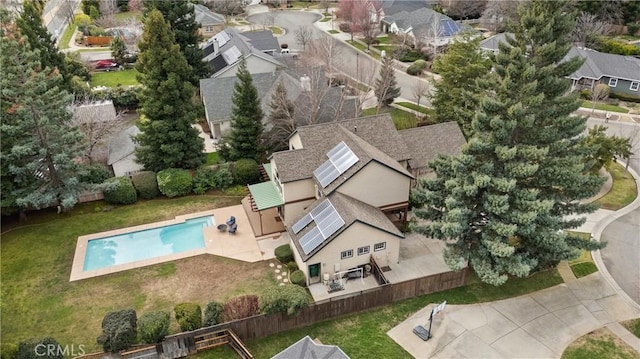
39	145
245	139
168	139
386	87
180	15
503	204
459	68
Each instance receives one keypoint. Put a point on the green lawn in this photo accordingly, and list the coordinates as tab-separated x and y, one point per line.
333	31
402	119
383	39
600	344
38	300
213	158
276	30
363	335
326	19
633	326
583	265
125	15
362	47
114	78
622	193
413	106
66	36
605	107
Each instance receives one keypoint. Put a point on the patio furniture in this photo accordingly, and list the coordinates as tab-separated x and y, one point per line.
233	228
231	221
222	227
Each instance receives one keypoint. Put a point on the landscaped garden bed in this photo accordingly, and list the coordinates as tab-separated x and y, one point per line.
624	189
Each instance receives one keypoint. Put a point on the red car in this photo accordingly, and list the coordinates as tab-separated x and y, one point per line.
105	65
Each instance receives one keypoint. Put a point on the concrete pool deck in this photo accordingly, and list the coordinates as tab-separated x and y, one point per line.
242	245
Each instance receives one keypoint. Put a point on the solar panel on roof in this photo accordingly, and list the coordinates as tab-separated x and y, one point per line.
319	208
327	221
341	158
303	222
326	173
311	240
232	55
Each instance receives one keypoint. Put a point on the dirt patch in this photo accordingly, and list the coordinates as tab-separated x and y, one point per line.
601	341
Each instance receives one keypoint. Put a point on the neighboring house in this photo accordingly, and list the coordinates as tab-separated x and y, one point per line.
99	111
620	73
122	158
217	96
224	50
424	25
97	119
263	40
306	348
210	22
342	190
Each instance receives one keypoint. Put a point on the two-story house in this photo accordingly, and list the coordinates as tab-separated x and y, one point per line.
342	190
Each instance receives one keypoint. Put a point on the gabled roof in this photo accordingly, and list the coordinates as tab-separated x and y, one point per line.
103	110
262	40
598	64
351	210
391	7
370	138
205	17
421	19
122	144
426	143
306	348
491	43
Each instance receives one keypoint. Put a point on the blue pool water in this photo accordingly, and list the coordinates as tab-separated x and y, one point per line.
149	243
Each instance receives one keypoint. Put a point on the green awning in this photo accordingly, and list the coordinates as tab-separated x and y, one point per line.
267	167
265	195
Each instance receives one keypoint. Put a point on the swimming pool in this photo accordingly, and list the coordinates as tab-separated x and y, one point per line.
146	244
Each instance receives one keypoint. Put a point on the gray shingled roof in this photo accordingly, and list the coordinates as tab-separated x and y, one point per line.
426	143
306	348
262	40
370	138
391	7
205	17
491	43
351	210
419	19
598	64
103	110
122	144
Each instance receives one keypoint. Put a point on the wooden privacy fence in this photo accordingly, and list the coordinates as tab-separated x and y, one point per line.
97	40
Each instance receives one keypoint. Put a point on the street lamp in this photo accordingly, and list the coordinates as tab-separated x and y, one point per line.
357	67
333	14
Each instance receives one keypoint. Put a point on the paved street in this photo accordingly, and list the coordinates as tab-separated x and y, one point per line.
55	13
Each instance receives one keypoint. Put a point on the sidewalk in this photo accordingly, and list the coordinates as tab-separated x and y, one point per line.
536	325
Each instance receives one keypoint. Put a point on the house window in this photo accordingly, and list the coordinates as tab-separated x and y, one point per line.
634	86
363	250
209	28
346	254
613	82
380	246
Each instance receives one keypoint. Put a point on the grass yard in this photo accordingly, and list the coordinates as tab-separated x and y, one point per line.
583	265
363	335
114	78
413	106
362	47
121	16
633	326
600	344
605	107
38	300
212	158
333	31
624	189
66	36
276	30
326	19
402	119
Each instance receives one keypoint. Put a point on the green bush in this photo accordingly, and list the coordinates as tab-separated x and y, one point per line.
212	314
203	180
420	63
414	70
632	28
625	97
94	174
284	254
223	178
119	330
284	299
153	326
412	55
612	46
119	190
146	184
122	97
297	277
585	94
8	351
246	171
292	266
39	349
174	182
188	316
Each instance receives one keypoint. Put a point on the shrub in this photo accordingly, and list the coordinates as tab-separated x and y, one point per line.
292	266
8	351
625	97
153	326
37	349
421	64
203	180
344	27
297	277
146	184
119	190
95	174
612	46
174	182
188	316
412	55
212	313
284	299
414	70
585	94
284	254
240	307
222	178
119	330
632	28
122	97
246	171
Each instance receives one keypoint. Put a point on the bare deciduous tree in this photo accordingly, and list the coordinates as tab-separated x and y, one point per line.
587	27
135	5
226	7
463	9
303	35
599	93
95	122
498	12
269	19
421	89
325	5
108	7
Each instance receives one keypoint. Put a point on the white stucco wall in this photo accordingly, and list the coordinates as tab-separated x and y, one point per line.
377	185
255	64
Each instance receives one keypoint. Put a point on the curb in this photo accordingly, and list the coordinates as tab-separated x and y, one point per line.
597	233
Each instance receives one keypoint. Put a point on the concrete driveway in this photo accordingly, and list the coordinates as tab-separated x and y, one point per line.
537	325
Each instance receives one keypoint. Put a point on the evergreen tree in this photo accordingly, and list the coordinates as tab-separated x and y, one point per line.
280	119
118	50
39	146
386	87
168	139
503	204
459	68
245	139
608	148
181	17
